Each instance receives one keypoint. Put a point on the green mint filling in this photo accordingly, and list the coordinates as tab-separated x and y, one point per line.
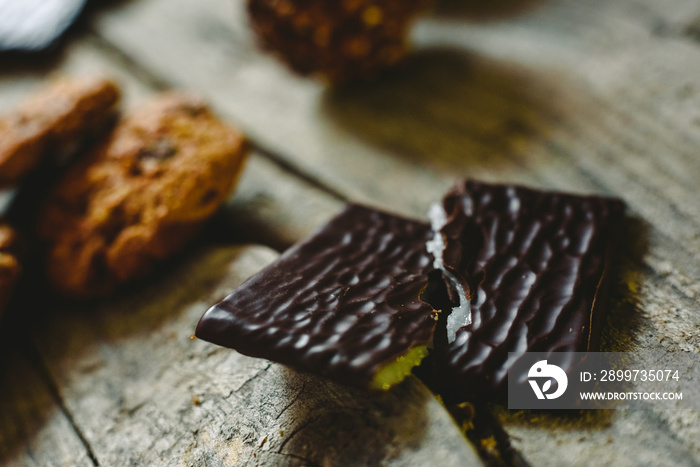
395	372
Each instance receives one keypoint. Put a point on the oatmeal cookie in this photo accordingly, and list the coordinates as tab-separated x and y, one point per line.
139	196
343	40
55	120
9	265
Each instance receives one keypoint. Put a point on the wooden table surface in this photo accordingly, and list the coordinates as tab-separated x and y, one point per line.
601	96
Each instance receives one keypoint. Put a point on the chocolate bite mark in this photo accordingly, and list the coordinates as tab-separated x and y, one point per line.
539	278
467	239
344	304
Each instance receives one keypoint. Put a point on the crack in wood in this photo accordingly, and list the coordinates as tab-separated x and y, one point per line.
35	359
306	461
293	401
295	432
258	374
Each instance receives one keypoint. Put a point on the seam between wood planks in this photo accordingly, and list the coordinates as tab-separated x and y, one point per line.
35	359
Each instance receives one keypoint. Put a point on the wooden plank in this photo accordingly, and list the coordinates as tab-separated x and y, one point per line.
273	208
145	393
589	97
34	430
637	437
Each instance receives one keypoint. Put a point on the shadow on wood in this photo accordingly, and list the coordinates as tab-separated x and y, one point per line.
20	387
34	429
625	320
336	425
20	63
450	110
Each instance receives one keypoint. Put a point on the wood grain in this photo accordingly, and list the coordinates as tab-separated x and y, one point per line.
274	208
34	429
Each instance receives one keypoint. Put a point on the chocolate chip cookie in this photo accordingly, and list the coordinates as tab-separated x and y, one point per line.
55	120
344	40
139	196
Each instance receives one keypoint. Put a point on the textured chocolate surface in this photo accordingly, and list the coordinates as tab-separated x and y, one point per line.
534	264
341	304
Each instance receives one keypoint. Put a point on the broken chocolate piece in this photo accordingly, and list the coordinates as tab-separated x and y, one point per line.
533	265
344	304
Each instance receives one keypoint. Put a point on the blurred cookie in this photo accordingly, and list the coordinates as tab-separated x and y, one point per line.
55	120
9	265
343	40
139	196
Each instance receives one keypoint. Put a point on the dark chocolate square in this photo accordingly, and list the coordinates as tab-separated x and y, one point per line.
534	266
342	304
